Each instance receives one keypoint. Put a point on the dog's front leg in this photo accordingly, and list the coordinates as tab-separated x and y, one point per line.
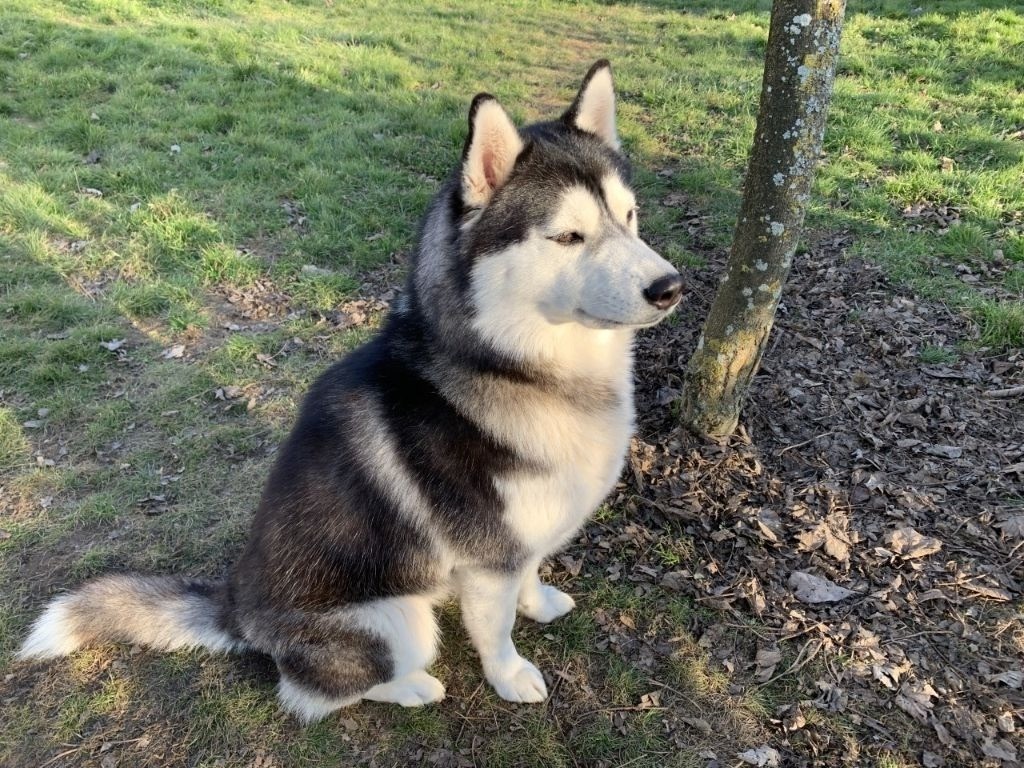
489	610
541	602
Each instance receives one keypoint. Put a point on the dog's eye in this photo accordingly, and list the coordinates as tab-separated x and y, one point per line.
631	215
568	238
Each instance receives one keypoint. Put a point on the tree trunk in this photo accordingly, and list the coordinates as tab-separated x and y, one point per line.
800	67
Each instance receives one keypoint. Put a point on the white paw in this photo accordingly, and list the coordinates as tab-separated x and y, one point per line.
546	604
413	690
520	682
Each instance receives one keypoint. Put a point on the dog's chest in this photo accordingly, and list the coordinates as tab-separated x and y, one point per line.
582	455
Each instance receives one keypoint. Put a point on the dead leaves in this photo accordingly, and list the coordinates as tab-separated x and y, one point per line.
113	345
809	588
909	544
934	216
174	352
915	698
1001	749
873	517
821	536
1012	526
766	661
258	301
762	757
1011	678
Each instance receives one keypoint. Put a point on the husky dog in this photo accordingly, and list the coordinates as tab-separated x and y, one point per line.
470	439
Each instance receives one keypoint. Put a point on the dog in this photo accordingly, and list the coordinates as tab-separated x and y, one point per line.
468	440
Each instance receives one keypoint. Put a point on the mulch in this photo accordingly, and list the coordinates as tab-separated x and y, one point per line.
866	522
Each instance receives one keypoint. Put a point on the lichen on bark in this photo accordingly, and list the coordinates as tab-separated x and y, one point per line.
800	66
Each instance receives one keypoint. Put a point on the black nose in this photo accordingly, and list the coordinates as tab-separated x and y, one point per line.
664	292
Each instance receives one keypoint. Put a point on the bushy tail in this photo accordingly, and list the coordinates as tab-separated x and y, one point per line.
160	612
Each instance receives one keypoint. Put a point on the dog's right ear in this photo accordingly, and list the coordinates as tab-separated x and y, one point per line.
490	153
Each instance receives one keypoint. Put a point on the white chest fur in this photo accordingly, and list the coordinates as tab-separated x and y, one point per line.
582	454
575	438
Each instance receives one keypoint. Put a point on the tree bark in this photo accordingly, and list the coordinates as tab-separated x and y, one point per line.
800	67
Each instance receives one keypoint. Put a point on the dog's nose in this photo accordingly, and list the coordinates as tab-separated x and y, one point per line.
665	292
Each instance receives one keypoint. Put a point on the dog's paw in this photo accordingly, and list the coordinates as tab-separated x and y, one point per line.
520	682
413	690
546	604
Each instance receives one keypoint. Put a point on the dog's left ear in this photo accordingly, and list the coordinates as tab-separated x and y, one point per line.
594	108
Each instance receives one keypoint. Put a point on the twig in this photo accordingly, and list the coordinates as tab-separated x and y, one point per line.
466	719
805	442
1008	392
65	753
800	662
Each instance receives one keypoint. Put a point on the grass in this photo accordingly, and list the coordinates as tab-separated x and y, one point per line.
166	166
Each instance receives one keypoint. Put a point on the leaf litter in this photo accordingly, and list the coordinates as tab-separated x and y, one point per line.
868	512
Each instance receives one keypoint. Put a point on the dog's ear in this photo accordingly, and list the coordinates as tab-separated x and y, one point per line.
490	153
594	108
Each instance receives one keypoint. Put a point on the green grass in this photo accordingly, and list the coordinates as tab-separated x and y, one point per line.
241	143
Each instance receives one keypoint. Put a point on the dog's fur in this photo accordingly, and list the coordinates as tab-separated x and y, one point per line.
471	438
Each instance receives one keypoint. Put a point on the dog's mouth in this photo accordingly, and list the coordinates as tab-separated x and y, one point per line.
593	321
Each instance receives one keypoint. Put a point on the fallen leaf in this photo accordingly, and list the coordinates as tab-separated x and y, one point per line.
909	544
999	748
887	674
822	537
1004	722
809	588
763	757
915	698
931	760
313	269
984	590
832	697
32	424
113	345
649	700
1012	678
171	353
942	733
698	723
766	660
945	451
1012	526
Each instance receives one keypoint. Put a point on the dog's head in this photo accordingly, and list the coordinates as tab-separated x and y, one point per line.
535	243
549	222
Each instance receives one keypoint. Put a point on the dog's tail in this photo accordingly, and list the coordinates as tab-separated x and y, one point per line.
160	612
